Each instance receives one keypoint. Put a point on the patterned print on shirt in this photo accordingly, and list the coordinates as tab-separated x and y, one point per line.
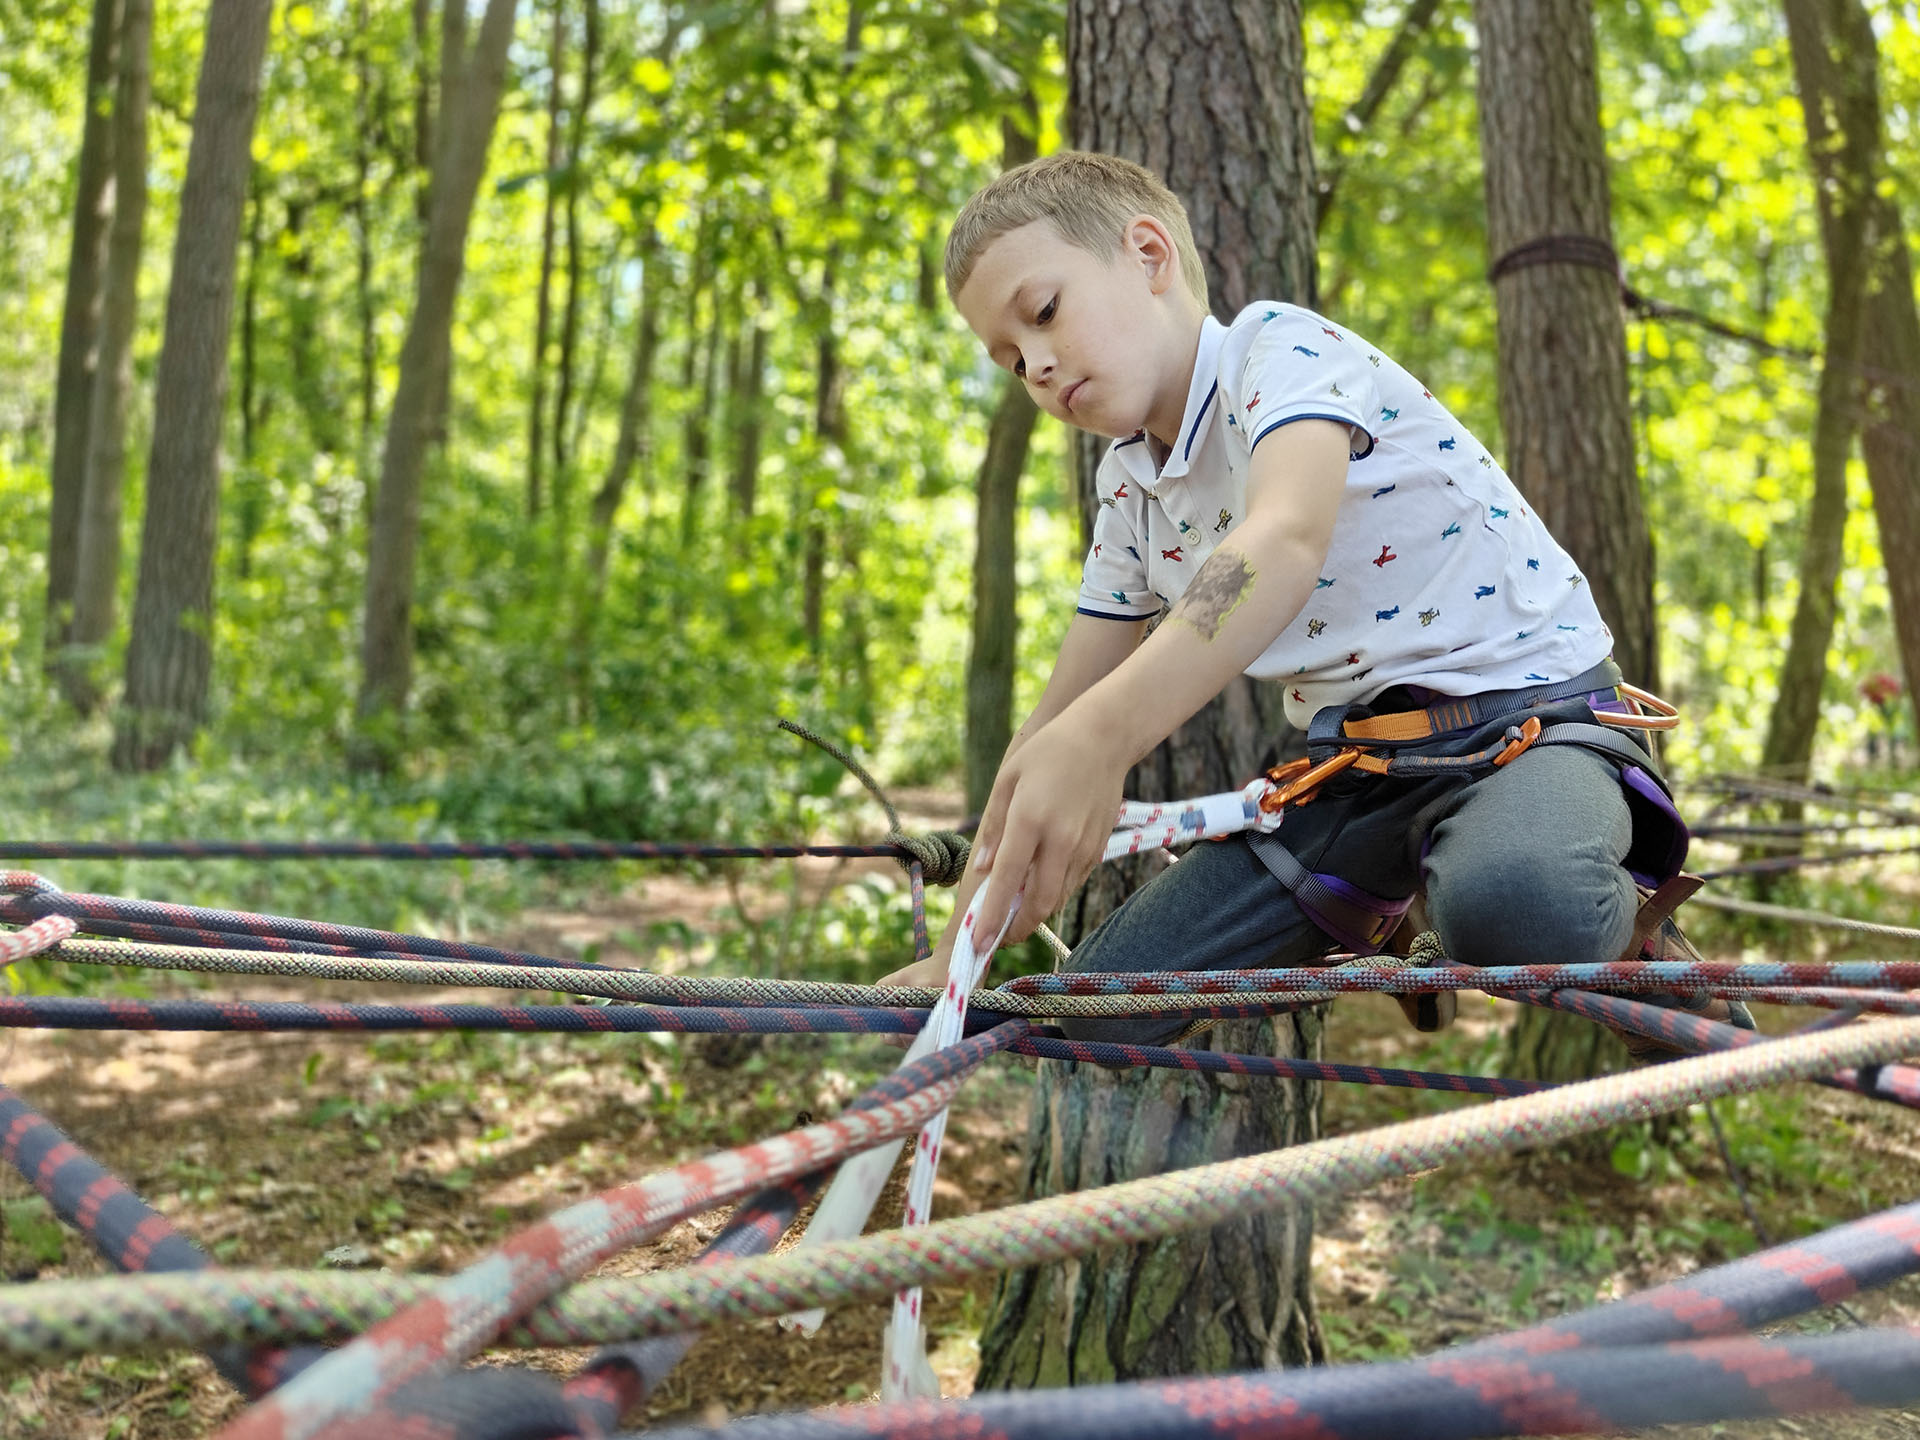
1448	443
1386	554
1385	490
1483	592
1427	617
1449	532
1173	554
1226	519
1380	615
1314	627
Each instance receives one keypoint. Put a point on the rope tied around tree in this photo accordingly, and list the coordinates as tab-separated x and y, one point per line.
941	854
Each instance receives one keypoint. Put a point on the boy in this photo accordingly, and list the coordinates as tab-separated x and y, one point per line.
1301	509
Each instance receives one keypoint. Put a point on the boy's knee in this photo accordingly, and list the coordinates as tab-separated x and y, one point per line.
1532	914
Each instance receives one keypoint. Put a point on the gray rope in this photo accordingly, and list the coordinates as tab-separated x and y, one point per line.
942	854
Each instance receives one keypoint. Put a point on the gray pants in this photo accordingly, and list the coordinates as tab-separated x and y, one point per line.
1522	866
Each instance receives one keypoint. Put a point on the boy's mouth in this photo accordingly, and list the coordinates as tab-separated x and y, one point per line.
1067	395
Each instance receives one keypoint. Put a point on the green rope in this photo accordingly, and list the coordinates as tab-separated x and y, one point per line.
942	853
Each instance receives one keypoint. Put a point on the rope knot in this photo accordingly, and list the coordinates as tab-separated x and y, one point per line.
942	854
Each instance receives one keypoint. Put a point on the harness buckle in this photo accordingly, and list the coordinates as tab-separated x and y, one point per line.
1296	781
1520	739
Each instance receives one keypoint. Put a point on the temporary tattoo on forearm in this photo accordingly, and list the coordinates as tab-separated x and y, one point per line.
1221	587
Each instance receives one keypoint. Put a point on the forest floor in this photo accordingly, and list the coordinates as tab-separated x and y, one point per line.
419	1152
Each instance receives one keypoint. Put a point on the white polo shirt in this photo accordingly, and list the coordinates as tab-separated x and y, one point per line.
1438	574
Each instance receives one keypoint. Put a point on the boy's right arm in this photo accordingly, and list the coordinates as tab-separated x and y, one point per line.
1093	648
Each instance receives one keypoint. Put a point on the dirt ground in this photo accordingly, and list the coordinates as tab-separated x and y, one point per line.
306	1150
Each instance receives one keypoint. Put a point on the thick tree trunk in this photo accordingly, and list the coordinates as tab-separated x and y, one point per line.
93	205
1563	349
1834	63
1890	364
468	109
543	303
170	655
1563	361
1232	134
97	571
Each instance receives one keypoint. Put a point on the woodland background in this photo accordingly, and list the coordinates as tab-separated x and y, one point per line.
708	444
483	421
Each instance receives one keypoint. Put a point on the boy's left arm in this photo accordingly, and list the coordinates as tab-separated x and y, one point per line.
1054	803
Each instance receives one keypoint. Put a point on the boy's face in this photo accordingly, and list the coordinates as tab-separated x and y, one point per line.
1098	341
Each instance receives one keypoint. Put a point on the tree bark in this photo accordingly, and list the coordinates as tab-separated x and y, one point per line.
1211	96
170	656
468	109
1835	64
543	304
93	204
1564	402
1890	364
97	561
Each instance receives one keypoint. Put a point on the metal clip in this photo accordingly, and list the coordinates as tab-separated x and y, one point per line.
1520	739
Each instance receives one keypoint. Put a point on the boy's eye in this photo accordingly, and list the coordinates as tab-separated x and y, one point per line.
1046	311
1020	367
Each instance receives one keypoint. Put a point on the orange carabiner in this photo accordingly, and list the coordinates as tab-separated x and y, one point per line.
1664	716
1520	743
1296	781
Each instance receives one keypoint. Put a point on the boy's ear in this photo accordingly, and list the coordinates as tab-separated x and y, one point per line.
1147	243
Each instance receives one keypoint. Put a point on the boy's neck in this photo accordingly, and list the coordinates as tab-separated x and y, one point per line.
1170	408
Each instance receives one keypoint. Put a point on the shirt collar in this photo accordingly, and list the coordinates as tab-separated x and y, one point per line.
1203	400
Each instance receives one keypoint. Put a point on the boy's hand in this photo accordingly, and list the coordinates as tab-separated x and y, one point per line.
1047	822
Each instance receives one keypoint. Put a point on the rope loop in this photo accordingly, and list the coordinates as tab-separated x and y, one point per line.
942	854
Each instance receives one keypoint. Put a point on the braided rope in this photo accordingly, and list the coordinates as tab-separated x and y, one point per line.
1736	906
41	935
473	1308
147	1313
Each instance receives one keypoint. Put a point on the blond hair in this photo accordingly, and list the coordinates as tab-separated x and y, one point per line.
1088	197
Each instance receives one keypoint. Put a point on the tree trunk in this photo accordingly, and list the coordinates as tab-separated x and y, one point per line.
1563	359
1563	349
696	448
829	396
543	305
634	447
570	320
1234	139
97	562
93	204
990	657
1834	63
170	656
745	395
468	109
1890	363
362	233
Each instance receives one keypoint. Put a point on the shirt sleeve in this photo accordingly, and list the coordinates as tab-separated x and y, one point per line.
1113	584
1302	367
